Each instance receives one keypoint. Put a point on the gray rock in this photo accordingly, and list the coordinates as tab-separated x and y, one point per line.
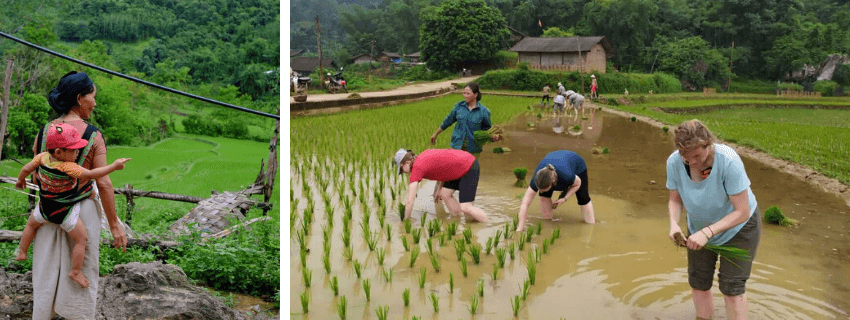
133	291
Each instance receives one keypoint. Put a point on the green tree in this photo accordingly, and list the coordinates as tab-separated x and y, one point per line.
693	61
462	31
555	32
788	53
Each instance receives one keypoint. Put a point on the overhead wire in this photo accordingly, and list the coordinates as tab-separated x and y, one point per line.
151	84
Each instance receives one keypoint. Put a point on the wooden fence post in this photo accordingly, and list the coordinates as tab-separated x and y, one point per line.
130	203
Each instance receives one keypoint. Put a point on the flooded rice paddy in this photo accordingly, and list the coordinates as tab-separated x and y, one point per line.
623	267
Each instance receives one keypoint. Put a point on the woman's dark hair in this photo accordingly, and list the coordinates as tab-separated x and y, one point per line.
64	96
475	89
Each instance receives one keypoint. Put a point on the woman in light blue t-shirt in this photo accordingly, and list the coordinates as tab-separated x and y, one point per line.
708	179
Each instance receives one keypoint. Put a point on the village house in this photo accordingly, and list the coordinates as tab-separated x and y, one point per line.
307	65
380	57
585	54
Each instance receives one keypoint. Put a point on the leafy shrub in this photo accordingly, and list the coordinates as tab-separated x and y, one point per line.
842	74
789	86
752	86
826	88
110	257
247	262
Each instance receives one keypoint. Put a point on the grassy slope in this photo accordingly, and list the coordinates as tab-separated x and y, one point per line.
180	165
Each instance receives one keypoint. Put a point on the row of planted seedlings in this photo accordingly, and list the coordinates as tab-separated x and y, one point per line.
344	177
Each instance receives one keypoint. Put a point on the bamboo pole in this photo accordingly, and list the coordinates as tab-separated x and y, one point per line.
4	109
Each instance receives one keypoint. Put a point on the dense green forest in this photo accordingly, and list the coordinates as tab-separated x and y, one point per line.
227	50
765	39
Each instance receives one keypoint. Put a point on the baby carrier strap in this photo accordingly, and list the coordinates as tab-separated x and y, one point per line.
89	134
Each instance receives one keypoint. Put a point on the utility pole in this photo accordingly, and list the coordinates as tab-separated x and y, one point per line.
4	109
319	39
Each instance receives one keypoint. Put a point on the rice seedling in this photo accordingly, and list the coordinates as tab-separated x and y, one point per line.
381	254
463	266
520	174
532	270
496	238
327	230
479	287
305	302
293	215
346	237
441	240
473	304
303	253
415	318
489	246
500	257
326	262
514	222
451	229
537	255
305	227
422	276
429	245
774	215
389	233
326	199
495	271
335	285
387	274
460	248
407	225
341	307
417	233
300	237
529	234
435	261
365	230
727	252
358	268
405	244
326	247
371	240
434	227
475	252
422	221
414	252
545	246
515	304
382	312
521	243
539	228
508	231
348	252
524	289
451	283
512	250
405	296
367	289
307	274
435	301
467	235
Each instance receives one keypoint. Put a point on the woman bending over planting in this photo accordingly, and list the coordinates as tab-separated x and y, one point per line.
457	169
563	171
709	180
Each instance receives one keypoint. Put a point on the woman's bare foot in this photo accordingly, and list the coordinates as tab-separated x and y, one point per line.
78	276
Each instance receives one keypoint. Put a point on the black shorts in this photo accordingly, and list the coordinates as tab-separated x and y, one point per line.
467	184
733	275
582	194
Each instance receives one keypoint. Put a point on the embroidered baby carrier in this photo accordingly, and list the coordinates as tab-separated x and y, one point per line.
58	191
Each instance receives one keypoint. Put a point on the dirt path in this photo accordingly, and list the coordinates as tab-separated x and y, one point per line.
404	90
802	172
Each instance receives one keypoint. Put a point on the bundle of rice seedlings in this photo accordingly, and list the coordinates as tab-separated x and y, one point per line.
520	174
482	137
774	215
728	252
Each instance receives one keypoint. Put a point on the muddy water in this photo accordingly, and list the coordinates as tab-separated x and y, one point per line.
623	267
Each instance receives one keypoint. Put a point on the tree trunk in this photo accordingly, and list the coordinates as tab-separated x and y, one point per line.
271	172
4	109
319	39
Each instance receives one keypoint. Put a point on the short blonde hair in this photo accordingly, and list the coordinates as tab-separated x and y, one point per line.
693	133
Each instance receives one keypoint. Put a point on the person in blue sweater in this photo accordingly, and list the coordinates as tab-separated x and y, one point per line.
563	171
709	181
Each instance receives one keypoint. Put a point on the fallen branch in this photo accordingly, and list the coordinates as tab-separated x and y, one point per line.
11	236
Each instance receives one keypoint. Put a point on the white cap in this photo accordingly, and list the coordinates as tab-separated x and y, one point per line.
570	92
559	84
593	76
398	156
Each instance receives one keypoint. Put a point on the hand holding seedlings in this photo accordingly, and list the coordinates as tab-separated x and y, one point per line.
697	240
556	203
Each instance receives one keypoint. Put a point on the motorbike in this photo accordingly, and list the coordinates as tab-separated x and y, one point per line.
300	84
465	72
336	82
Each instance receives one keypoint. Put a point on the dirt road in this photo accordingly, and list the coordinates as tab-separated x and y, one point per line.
400	91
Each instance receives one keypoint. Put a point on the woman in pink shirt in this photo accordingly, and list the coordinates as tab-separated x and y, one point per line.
457	169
